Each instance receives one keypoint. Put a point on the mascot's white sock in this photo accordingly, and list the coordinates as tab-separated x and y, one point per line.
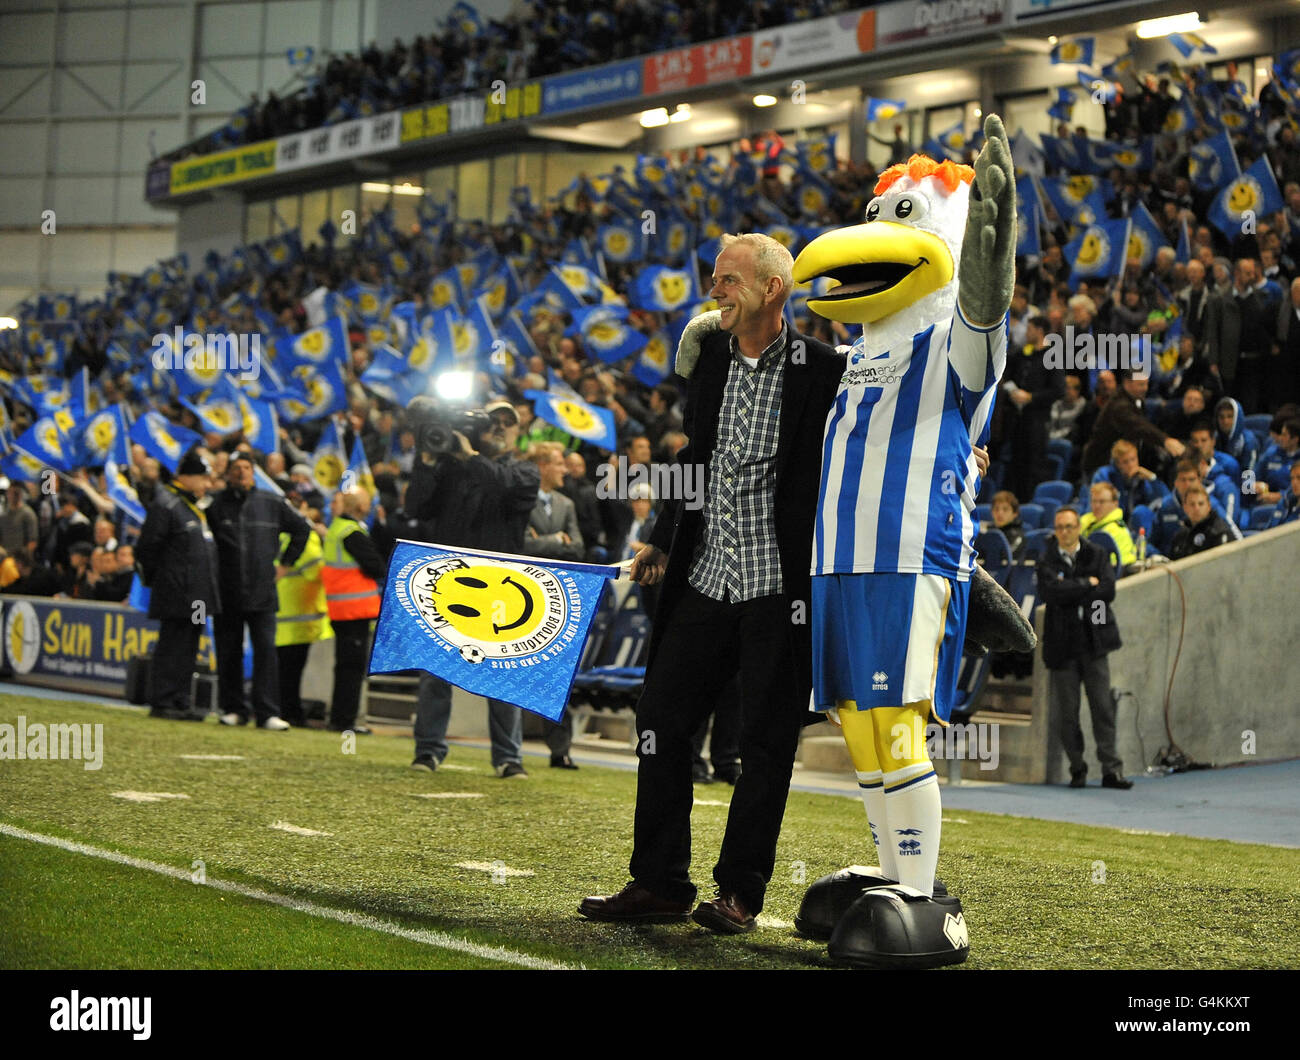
871	784
912	804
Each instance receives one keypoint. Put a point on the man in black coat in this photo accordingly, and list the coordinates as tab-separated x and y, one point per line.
1031	388
176	556
1077	583
247	523
736	591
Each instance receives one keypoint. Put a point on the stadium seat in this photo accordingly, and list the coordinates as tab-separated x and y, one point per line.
1035	544
1049	514
983	513
1061	447
1259	516
971	680
1023	587
1031	515
1258	422
993	548
1055	464
1058	490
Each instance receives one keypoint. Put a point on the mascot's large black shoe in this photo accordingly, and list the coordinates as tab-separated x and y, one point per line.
898	927
830	897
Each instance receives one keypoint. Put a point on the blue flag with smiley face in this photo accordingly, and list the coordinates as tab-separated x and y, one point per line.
590	423
502	626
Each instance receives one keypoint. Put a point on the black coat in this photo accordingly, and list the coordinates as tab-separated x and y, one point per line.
808	391
1079	622
247	526
176	556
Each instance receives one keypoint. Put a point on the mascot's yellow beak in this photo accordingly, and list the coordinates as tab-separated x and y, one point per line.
878	268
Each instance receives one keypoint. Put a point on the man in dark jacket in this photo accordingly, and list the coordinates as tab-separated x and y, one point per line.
1077	583
1205	528
176	557
247	523
729	596
1124	417
1031	387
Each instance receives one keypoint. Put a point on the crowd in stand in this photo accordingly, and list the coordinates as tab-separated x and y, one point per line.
535	39
1184	470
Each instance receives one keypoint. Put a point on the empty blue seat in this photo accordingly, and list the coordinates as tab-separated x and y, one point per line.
1049	514
1260	515
1058	490
1061	447
1031	515
1259	423
983	513
994	550
1035	542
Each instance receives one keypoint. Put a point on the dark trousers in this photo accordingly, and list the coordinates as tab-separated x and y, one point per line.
172	669
229	631
292	659
351	653
1248	386
1063	693
558	735
724	741
707	643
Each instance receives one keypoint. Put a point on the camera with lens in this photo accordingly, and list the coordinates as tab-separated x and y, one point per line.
435	426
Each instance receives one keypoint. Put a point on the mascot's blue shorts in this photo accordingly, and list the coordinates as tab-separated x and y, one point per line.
888	640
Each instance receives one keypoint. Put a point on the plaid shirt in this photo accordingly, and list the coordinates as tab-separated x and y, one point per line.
737	555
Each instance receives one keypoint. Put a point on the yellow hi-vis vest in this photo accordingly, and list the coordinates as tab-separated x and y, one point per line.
301	617
348	592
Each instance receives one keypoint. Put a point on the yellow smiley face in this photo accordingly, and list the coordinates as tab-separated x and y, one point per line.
575	417
328	471
1079	188
489	604
617	243
672	288
1090	250
1242	197
603	333
312	344
102	433
440	295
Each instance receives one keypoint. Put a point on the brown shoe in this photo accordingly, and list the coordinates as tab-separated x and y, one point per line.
725	914
634	904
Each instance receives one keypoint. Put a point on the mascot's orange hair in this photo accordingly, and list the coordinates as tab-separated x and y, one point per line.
918	167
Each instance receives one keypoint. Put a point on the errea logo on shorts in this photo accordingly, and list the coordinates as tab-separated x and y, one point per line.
880	681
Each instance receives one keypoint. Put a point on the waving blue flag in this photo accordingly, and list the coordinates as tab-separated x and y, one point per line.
660	288
45	441
164	441
1098	252
104	438
1247	198
591	423
1077	50
1145	237
497	625
122	493
605	333
1212	162
884	109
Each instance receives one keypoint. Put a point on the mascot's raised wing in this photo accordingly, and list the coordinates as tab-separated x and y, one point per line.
929	276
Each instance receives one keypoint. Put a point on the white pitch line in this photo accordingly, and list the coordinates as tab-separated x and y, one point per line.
495	867
765	921
285	826
147	796
710	802
446	795
457	769
954	820
425	936
214	758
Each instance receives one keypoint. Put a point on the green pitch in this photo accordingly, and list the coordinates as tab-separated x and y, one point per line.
467	882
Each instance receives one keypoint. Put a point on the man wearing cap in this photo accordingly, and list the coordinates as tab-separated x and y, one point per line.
176	557
247	523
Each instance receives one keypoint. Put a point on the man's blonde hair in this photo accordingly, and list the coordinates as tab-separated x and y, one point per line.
771	258
544	452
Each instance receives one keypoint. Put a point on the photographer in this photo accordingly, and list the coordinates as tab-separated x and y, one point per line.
468	488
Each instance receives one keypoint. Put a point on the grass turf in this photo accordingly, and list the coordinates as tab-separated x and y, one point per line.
1037	894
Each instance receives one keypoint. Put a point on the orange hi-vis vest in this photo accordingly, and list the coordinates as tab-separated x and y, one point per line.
349	594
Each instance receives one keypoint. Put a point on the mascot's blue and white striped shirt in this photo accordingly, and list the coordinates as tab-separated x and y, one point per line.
898	477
